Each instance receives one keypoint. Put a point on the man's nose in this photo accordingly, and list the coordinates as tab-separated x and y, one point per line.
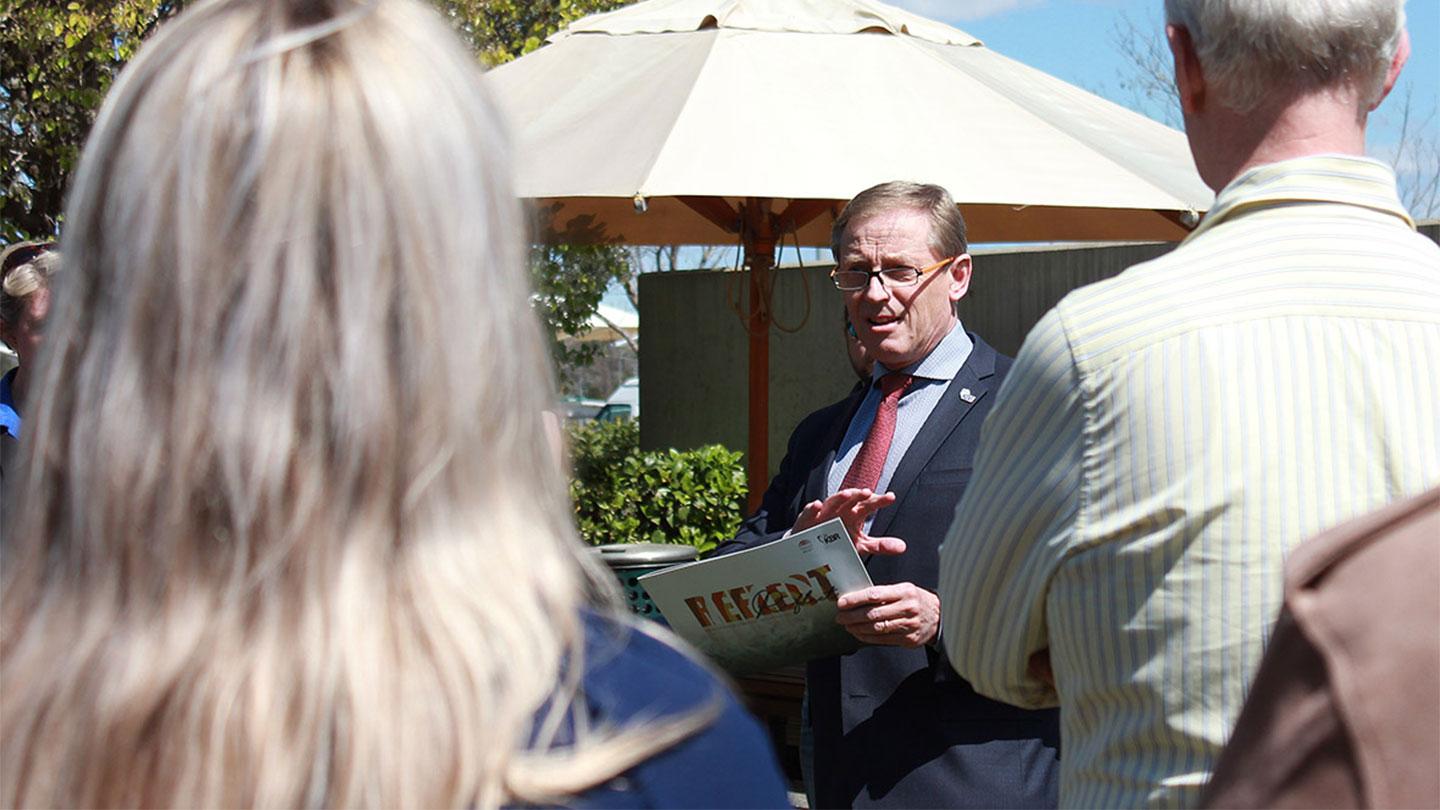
875	290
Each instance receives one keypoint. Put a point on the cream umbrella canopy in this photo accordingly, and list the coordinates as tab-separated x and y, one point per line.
717	121
610	324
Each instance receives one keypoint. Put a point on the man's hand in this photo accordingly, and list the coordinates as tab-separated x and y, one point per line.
853	507
900	615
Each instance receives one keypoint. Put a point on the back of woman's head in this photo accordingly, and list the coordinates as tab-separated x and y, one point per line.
288	533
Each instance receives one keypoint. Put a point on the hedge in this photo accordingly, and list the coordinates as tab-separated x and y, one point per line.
625	495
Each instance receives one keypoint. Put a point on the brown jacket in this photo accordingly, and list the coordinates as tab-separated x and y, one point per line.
1345	709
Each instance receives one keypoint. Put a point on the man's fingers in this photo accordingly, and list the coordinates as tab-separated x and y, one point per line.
877	618
892	632
839	504
887	546
901	614
871	502
872	596
809	516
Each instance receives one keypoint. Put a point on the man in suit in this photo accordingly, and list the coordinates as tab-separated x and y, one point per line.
893	725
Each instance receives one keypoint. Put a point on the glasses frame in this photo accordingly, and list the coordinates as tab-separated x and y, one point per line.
871	275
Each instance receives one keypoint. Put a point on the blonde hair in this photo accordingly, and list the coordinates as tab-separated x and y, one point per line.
25	279
288	531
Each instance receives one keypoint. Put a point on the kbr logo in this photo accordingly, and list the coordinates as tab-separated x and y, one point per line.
829	538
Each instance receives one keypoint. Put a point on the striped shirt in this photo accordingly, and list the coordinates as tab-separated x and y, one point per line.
1164	438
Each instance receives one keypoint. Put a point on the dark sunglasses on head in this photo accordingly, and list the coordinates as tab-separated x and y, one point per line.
20	254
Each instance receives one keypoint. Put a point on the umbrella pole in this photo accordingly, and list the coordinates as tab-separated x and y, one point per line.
759	241
760	231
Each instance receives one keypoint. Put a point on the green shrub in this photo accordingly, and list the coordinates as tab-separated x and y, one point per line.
597	449
623	495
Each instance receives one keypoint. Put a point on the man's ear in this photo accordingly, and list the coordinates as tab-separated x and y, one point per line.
960	276
1189	76
1402	53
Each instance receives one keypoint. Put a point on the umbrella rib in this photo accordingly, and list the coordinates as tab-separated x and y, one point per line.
679	114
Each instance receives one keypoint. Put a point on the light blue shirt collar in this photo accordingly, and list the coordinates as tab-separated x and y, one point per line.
942	363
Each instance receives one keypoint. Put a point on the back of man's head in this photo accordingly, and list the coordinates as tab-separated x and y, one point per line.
1251	48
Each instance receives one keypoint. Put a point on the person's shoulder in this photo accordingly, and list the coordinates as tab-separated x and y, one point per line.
989	360
1119	290
629	671
633	675
821	418
1331	588
1399	536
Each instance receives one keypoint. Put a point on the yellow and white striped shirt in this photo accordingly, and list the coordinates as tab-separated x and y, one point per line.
1163	439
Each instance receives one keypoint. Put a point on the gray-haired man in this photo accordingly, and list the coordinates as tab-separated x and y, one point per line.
1166	436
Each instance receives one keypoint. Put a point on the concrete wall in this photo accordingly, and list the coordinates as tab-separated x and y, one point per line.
693	370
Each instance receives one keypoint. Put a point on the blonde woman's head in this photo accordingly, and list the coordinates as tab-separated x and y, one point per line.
289	534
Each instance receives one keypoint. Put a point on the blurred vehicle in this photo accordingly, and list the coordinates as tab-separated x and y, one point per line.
623	403
580	409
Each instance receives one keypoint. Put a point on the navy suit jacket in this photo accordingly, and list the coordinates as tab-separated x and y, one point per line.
896	727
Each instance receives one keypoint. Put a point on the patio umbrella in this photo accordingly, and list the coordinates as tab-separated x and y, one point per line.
752	121
610	324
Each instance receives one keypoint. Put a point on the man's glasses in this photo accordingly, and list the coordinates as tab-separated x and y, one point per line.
853	280
20	254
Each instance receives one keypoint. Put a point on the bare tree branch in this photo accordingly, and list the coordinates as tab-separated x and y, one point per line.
621	332
1149	77
1416	155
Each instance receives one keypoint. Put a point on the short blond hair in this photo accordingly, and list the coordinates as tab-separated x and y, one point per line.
947	227
25	278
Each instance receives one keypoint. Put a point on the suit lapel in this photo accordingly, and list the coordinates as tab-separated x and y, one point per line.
948	413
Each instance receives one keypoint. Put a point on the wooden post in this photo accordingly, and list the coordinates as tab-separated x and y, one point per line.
759	241
760	230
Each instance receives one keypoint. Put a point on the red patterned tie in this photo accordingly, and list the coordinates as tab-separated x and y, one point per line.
870	461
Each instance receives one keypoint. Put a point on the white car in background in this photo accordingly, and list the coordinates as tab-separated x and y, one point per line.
624	403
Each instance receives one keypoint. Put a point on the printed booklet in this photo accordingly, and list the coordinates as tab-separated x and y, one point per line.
765	607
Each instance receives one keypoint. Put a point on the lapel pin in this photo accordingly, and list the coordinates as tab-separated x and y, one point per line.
966	395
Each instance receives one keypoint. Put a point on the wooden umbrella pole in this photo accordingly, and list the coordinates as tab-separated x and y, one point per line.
759	240
760	230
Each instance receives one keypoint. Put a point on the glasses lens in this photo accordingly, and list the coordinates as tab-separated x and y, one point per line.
900	276
851	279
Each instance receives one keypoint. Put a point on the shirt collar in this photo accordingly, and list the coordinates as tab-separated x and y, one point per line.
942	363
1344	179
9	417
